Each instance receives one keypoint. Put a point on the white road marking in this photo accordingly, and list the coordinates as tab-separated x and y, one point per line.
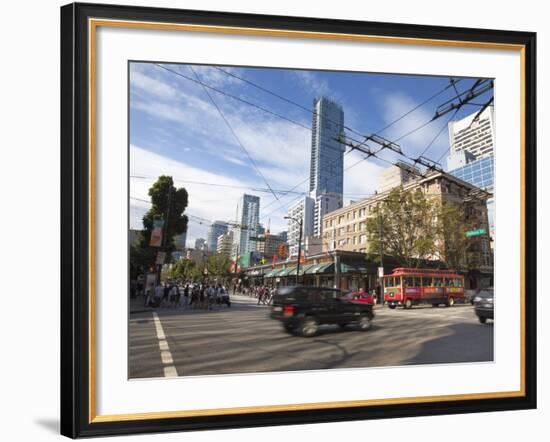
165	355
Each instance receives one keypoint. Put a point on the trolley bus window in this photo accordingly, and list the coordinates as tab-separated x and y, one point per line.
438	282
417	281
426	282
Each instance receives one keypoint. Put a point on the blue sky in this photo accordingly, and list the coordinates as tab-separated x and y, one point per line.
175	129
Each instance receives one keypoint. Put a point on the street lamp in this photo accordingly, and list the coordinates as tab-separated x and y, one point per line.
301	224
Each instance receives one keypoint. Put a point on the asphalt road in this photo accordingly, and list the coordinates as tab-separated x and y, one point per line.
243	339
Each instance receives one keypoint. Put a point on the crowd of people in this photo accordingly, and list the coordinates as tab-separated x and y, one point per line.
262	293
189	296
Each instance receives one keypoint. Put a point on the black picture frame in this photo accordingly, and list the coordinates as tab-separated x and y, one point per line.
76	403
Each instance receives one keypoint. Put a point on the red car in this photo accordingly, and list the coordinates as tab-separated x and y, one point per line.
361	297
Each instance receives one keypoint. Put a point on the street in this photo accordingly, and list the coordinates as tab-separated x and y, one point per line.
243	339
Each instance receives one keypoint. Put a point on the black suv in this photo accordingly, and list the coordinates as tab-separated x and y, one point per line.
302	309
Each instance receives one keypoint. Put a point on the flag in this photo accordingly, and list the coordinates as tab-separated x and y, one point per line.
274	261
302	257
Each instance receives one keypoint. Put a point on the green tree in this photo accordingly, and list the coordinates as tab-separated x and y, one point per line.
416	227
453	245
409	227
218	265
183	269
168	203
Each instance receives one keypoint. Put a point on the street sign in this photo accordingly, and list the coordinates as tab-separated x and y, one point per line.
380	272
475	232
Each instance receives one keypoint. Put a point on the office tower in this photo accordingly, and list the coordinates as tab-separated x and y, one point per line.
476	136
327	153
245	233
216	229
304	210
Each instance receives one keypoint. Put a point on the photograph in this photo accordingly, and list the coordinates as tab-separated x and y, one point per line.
284	220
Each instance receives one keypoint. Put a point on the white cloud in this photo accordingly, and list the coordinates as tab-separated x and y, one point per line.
209	202
150	85
397	104
312	83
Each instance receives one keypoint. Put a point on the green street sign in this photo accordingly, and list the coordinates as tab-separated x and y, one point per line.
475	232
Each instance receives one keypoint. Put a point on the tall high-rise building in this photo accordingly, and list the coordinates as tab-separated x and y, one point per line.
324	203
303	209
248	225
327	154
480	173
472	155
216	229
225	243
476	136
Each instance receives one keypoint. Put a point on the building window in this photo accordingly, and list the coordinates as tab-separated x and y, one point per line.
363	239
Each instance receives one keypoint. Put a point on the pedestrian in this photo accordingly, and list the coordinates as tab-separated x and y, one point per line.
176	295
159	290
202	297
186	297
260	295
148	297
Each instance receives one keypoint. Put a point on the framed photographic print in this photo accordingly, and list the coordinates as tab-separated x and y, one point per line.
274	220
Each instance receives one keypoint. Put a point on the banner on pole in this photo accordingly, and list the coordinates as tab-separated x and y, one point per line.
156	233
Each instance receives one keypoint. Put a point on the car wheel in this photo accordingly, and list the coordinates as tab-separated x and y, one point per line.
364	323
435	305
482	319
450	302
308	327
408	303
392	306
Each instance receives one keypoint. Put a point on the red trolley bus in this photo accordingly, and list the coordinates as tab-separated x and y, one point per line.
408	287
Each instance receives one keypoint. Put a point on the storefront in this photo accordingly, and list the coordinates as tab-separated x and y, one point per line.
355	273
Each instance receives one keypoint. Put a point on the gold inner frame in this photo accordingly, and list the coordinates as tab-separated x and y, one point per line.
93	24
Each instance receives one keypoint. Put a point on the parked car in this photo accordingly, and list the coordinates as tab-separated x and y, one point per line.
484	303
362	297
302	310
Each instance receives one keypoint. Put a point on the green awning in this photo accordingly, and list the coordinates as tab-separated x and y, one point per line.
273	273
288	271
321	268
304	269
346	268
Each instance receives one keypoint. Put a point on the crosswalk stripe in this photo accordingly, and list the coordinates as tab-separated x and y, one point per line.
165	354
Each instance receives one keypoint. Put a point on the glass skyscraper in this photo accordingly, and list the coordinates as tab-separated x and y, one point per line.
481	173
327	154
216	229
249	225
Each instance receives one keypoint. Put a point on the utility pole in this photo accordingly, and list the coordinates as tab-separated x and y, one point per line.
165	231
381	239
380	296
299	250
